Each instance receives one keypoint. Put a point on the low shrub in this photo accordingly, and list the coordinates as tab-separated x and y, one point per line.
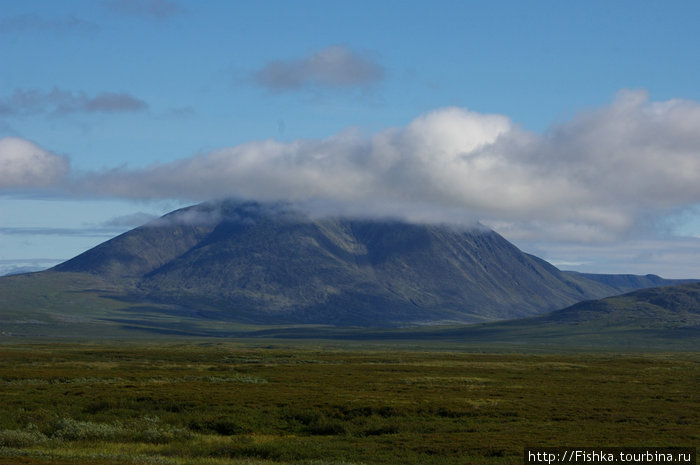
151	430
276	450
29	436
220	426
68	429
315	421
377	426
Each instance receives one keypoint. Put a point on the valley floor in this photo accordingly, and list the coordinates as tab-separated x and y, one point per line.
229	403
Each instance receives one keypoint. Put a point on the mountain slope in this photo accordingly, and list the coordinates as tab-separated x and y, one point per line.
666	318
662	318
141	250
657	307
271	264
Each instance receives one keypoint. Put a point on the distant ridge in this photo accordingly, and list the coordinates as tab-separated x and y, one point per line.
662	307
659	318
627	282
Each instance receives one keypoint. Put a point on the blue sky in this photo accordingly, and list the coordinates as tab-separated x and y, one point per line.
572	128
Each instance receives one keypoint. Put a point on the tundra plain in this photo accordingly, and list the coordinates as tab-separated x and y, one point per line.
276	402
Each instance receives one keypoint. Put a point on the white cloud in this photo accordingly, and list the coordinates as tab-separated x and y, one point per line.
599	177
24	164
416	163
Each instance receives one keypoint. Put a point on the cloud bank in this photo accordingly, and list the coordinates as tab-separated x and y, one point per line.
597	177
333	67
59	102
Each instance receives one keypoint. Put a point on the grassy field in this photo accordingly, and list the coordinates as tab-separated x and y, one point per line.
229	403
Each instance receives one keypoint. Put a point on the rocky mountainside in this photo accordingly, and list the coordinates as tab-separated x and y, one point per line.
272	264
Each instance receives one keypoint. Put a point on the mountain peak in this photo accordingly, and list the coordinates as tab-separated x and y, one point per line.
262	262
273	263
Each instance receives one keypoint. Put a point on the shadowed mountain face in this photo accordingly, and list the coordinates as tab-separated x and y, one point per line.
268	263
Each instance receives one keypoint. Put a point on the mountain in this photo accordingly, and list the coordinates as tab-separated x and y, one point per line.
263	263
215	266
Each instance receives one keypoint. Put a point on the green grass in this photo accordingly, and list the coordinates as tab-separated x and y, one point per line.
233	403
80	305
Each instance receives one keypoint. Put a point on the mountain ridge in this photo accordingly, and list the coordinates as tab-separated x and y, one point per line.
271	263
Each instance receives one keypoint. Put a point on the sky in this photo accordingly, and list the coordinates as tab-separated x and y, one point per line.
570	128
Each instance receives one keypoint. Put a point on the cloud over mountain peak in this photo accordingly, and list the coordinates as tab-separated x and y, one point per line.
599	175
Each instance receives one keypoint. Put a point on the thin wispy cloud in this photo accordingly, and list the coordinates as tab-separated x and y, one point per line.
157	9
105	229
59	102
181	112
129	221
333	67
35	23
597	177
670	257
26	265
63	232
